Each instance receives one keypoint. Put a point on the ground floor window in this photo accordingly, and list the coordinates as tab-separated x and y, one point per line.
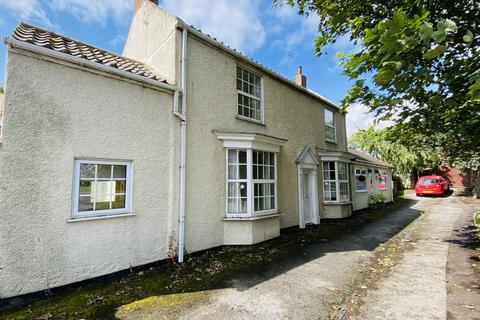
361	179
101	188
251	182
382	185
335	181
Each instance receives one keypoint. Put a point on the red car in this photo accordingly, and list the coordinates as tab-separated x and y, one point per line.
432	185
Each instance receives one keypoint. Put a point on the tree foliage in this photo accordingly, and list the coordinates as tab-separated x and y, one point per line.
419	64
415	157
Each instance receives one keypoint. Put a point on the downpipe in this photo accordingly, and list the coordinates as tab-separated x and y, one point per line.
183	150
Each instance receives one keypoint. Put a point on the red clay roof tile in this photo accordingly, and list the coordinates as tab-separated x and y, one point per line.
46	39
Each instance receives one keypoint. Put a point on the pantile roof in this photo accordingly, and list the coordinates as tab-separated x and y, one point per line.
47	39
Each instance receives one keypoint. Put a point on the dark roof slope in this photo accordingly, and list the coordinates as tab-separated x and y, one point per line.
47	39
364	157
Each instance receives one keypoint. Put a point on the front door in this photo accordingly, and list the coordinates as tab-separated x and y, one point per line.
307	201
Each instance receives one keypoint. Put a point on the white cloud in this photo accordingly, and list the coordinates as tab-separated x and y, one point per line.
359	117
29	10
95	11
237	23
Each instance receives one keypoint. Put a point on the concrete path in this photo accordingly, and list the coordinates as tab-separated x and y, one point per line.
416	288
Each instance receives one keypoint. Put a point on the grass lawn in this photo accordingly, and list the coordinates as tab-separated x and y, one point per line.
165	282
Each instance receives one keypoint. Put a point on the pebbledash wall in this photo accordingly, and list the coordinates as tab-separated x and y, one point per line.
55	113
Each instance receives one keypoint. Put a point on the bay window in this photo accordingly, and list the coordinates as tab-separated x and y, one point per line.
335	181
251	182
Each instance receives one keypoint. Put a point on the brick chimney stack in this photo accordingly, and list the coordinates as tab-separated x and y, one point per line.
300	79
138	3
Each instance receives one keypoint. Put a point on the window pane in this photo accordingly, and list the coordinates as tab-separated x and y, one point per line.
342	171
232	172
103	187
243	189
85	203
344	191
329	117
243	205
119	202
102	205
232	205
119	186
87	171
86	187
243	171
333	191
119	172
232	156
242	156
104	171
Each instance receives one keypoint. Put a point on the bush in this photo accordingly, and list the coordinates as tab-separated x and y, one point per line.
377	198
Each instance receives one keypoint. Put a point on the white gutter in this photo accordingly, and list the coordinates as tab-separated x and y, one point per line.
183	149
86	63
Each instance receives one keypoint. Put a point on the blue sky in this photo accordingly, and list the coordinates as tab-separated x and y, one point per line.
275	37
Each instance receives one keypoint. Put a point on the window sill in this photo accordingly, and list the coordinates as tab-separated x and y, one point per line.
111	216
253	218
250	120
361	191
337	203
331	141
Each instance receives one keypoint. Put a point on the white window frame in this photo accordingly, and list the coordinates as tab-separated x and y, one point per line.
250	185
100	213
331	126
246	94
383	174
361	169
337	182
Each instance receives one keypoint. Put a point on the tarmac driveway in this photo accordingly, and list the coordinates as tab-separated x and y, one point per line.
303	287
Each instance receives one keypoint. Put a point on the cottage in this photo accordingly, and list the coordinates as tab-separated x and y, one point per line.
178	145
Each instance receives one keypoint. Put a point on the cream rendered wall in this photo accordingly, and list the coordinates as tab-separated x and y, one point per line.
212	104
154	39
54	114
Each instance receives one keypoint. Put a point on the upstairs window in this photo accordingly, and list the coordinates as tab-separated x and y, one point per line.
330	134
335	181
101	188
249	91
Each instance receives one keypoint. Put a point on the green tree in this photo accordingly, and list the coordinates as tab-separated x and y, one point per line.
407	159
419	64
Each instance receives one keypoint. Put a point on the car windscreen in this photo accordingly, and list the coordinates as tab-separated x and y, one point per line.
427	181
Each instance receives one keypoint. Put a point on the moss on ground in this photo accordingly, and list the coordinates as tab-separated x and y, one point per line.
163	284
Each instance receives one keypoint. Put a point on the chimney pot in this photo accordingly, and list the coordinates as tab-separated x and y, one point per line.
138	3
300	79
